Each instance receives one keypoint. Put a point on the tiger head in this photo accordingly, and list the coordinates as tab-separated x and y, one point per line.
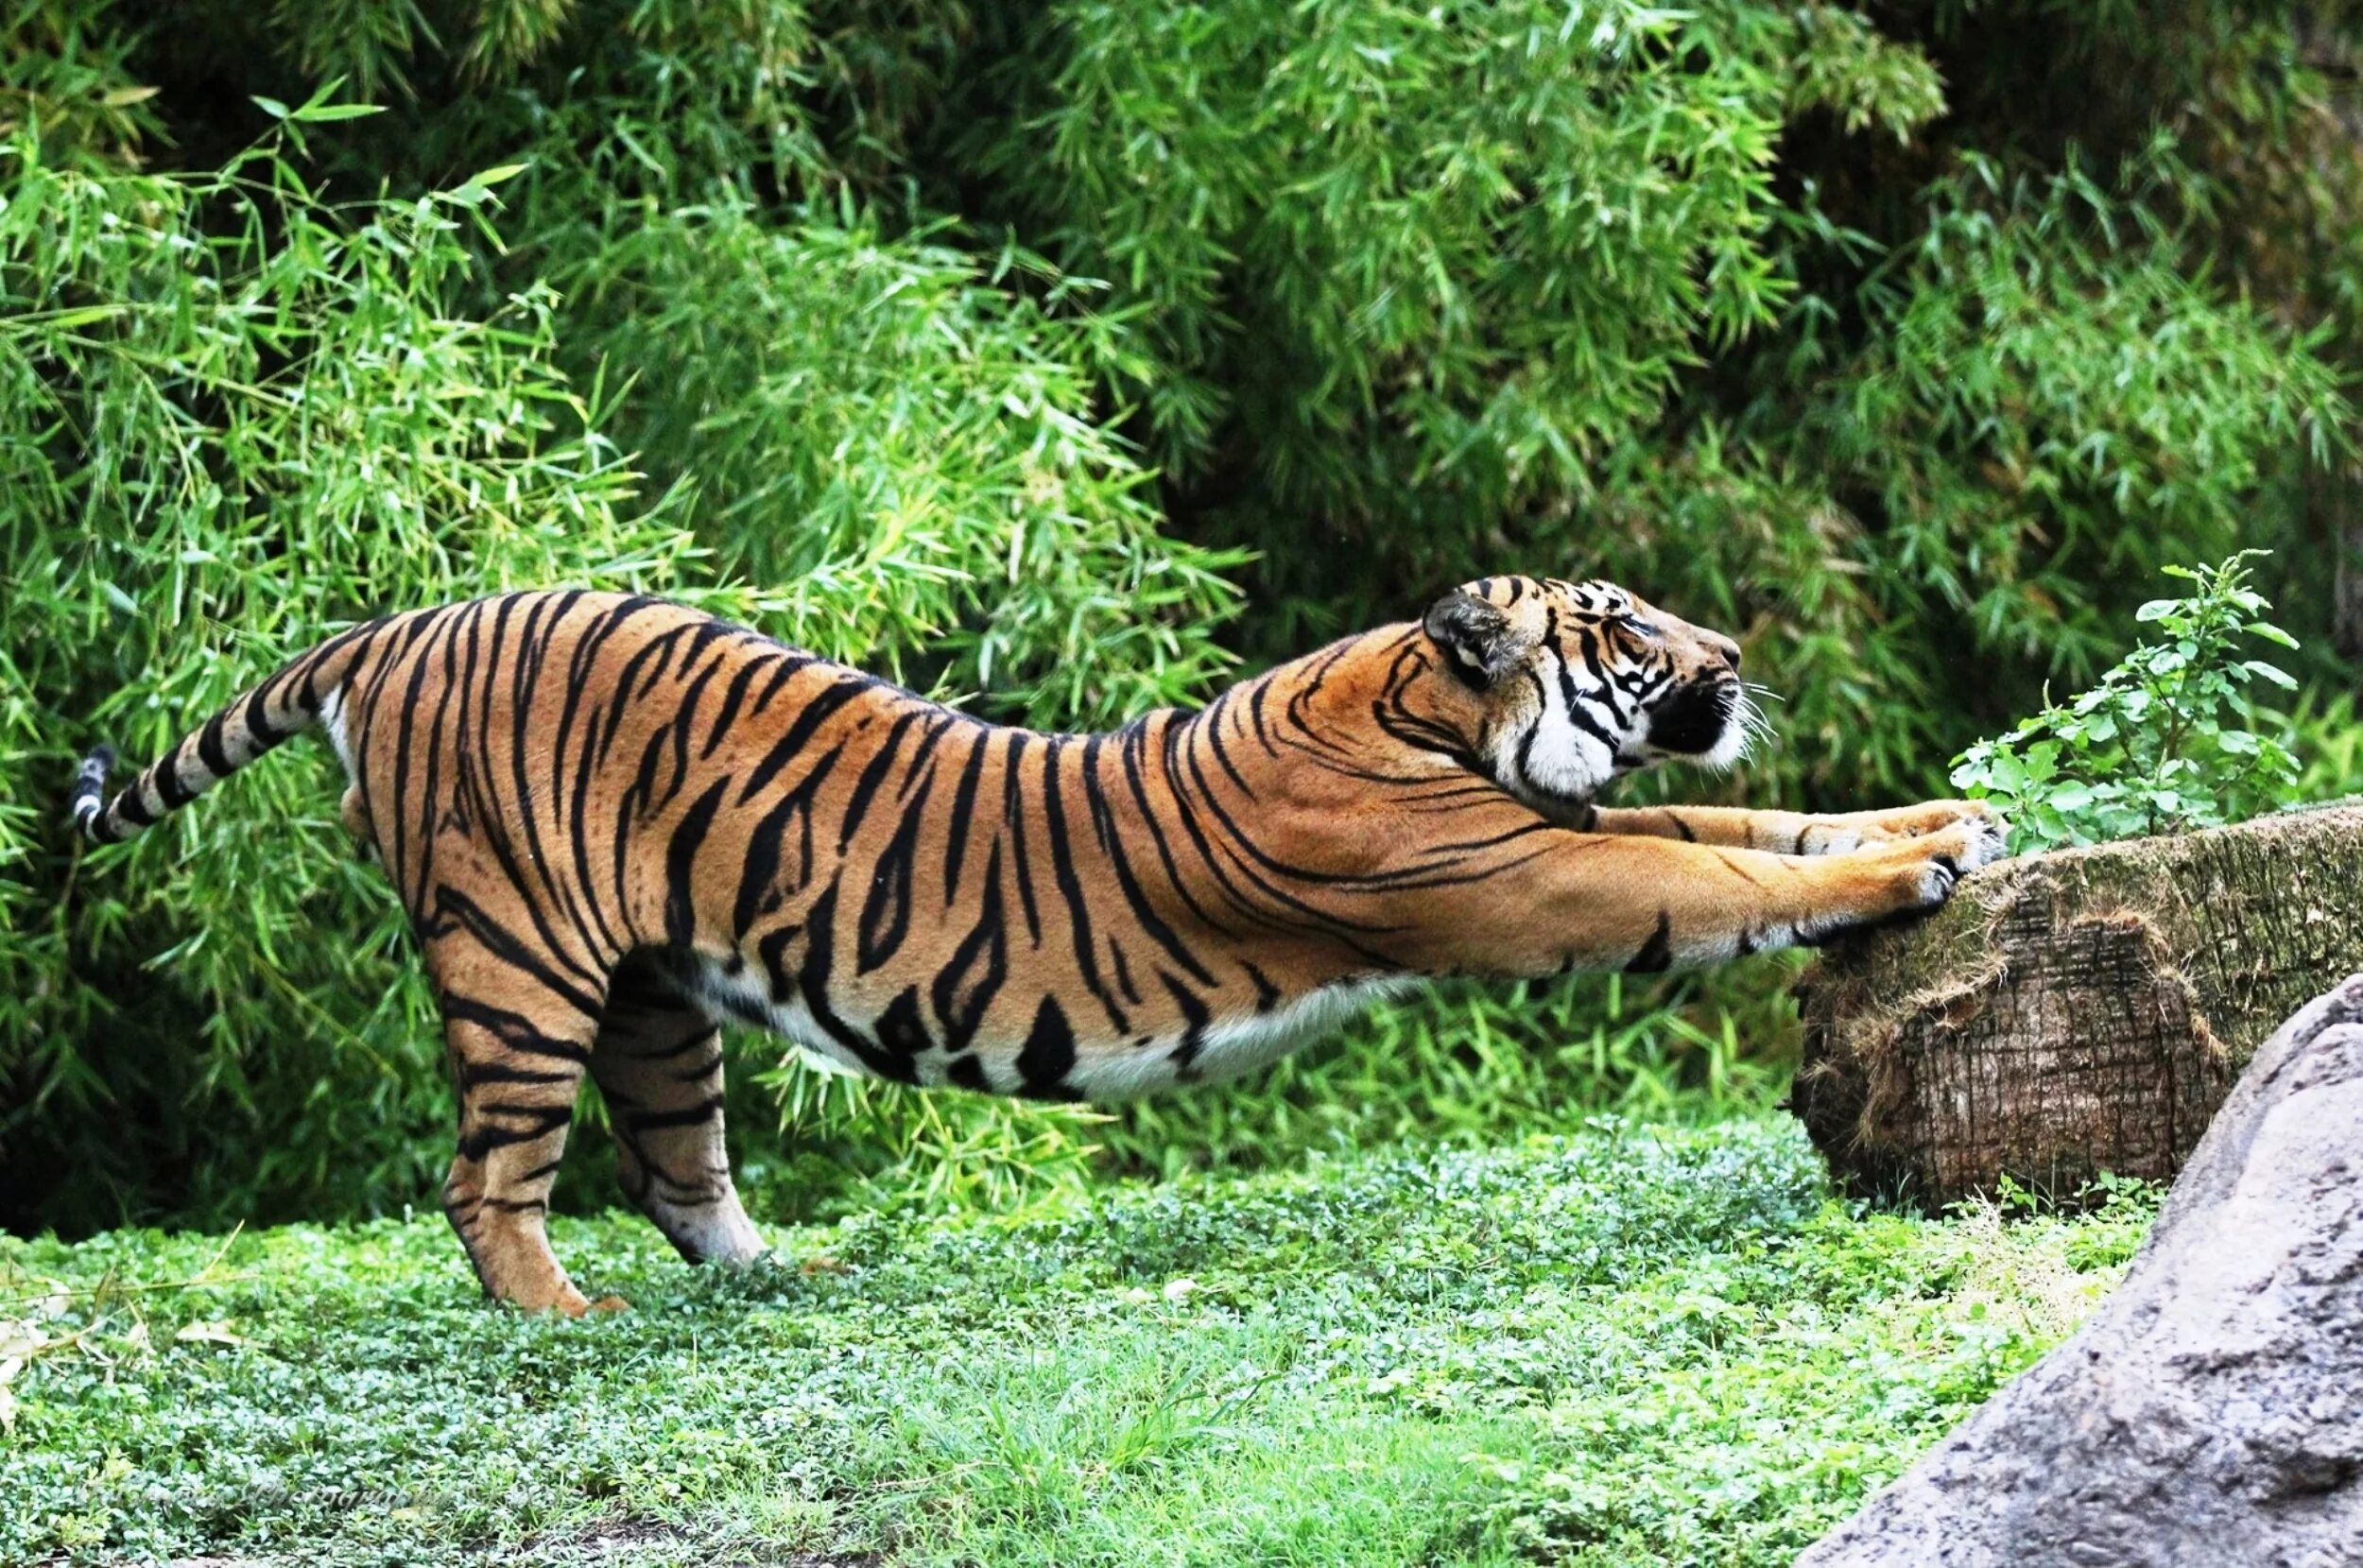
1575	684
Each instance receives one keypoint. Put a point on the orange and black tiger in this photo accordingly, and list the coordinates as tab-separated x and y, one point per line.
616	821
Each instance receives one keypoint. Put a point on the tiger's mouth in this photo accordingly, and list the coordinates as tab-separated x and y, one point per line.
1702	721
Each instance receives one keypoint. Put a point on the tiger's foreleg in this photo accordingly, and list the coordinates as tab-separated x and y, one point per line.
1788	832
1641	904
658	1063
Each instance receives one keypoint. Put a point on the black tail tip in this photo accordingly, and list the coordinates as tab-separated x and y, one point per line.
86	807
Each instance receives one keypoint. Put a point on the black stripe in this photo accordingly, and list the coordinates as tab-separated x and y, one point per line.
649	663
758	883
902	1033
885	914
1111	843
681	725
813	981
789	665
533	654
258	724
453	906
872	778
681	863
540	1121
1577	713
730	700
771	953
814	714
399	864
491	822
963	813
938	722
1657	953
964	988
168	786
473	1073
211	749
1134	748
1013	812
1195	1017
1214	741
1048	1055
1071	886
545	615
693	1114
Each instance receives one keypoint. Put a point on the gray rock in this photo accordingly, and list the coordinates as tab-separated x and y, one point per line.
2209	1415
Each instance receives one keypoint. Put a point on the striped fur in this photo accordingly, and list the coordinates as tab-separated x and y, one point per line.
616	823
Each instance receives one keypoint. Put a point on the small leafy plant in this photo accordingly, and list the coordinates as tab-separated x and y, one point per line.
2171	739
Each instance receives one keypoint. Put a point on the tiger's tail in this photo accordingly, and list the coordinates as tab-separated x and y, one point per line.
299	696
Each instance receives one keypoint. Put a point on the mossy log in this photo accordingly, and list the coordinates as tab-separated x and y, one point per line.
2073	1013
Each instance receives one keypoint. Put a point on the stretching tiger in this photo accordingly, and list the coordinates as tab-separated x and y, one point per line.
616	822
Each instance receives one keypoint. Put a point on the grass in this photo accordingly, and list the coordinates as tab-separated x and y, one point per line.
1633	1345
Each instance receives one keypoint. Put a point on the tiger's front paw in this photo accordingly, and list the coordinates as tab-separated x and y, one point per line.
1932	863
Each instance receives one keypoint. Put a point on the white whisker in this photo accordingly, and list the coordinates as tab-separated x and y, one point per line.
1753	725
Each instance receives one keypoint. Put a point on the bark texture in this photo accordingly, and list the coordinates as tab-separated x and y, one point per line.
2211	1412
2073	1013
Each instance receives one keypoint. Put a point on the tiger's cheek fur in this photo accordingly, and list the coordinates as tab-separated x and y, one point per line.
1548	749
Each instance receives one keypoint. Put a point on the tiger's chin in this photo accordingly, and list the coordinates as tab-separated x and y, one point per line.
1729	748
1705	726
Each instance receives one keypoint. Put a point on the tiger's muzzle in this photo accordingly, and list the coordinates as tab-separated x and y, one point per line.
1700	717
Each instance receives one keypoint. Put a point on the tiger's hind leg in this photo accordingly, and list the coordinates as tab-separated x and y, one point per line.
517	1065
658	1061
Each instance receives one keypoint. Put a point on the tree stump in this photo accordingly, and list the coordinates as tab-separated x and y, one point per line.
2073	1013
2211	1412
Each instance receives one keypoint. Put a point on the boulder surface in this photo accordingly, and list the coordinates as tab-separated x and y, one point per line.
2210	1414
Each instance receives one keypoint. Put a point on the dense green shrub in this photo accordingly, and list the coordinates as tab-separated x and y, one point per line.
1441	256
976	343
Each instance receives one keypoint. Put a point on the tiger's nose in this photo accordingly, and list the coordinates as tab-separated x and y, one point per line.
1724	647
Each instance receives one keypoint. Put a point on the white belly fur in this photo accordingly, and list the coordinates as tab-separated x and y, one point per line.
1229	1048
1104	1069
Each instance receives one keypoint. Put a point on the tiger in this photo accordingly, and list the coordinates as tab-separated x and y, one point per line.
617	823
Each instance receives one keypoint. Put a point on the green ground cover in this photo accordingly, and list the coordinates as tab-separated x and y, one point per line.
1635	1345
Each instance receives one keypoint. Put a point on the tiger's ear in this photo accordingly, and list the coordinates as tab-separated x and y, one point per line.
1481	643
